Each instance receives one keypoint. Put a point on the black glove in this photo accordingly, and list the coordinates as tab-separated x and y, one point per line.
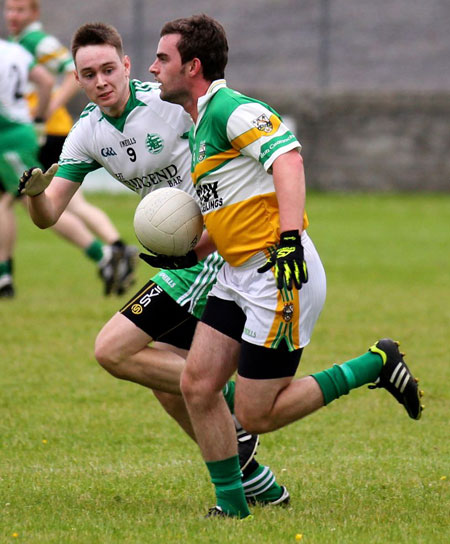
170	263
288	261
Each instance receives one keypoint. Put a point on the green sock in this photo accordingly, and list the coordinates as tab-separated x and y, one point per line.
95	251
226	477
228	393
340	379
4	268
261	485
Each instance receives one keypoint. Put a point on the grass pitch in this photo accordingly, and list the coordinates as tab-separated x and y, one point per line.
85	458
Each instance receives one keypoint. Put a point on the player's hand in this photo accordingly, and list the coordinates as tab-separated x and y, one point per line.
288	262
170	263
34	182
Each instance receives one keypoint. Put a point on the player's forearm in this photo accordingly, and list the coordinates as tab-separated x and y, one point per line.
64	93
44	82
289	181
42	211
46	208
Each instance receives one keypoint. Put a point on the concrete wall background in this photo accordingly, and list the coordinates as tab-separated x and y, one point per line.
368	83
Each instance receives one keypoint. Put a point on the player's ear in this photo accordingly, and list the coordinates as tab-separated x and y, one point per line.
195	66
127	64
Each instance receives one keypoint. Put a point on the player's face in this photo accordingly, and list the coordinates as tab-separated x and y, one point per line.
104	77
19	14
169	71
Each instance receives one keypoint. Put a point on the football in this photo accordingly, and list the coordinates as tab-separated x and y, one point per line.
169	222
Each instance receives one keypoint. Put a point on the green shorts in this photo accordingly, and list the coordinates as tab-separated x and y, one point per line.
18	152
189	287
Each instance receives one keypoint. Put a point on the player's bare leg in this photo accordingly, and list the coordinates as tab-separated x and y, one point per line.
8	227
275	402
211	361
122	349
95	219
70	227
8	231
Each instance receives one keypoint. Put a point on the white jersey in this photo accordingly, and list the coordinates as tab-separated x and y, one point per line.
146	148
15	65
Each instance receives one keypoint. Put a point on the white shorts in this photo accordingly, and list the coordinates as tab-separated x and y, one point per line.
273	315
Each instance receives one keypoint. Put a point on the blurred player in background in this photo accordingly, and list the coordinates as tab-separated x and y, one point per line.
149	149
260	314
18	141
83	224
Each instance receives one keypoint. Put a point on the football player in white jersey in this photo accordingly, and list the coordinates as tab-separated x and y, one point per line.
142	141
18	142
248	174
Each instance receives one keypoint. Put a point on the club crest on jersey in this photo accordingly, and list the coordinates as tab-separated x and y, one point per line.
263	123
154	143
288	312
201	155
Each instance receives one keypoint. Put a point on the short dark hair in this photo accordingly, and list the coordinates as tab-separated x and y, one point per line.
97	34
204	38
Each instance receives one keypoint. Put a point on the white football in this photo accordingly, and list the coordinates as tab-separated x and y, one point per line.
168	221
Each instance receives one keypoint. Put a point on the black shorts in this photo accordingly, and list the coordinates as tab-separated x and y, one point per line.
255	362
157	314
49	153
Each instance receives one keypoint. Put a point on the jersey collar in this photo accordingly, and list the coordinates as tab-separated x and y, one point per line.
133	102
203	101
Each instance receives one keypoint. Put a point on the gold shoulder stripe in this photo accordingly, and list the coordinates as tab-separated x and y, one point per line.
211	163
254	134
62	51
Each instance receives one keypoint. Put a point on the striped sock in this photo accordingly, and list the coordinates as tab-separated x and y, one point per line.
261	485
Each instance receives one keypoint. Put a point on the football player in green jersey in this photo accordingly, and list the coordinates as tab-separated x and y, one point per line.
248	173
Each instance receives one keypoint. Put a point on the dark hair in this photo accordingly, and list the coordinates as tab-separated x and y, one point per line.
97	34
204	38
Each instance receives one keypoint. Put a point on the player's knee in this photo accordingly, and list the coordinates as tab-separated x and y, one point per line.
252	422
196	390
108	356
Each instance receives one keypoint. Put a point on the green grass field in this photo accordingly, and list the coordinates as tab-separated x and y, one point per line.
85	458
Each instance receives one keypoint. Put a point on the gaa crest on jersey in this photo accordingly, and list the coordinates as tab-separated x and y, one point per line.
263	123
288	311
154	143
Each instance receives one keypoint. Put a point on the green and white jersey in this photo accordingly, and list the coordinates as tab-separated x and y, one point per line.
18	143
15	65
46	49
235	141
145	149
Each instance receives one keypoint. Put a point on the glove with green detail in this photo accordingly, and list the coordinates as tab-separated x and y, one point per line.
288	262
34	182
170	263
